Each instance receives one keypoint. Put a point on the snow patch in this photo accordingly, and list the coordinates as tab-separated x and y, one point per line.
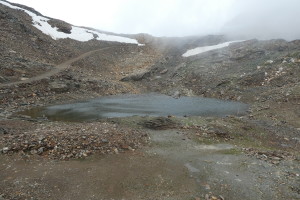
200	50
77	33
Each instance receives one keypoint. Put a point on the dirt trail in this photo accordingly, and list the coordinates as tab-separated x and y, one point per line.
56	70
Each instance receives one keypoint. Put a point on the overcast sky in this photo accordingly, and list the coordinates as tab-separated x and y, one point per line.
261	19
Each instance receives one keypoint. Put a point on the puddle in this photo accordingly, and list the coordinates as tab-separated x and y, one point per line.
141	105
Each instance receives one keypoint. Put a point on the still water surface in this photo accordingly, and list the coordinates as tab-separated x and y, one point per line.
142	105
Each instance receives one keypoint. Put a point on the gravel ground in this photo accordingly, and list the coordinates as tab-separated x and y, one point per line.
64	141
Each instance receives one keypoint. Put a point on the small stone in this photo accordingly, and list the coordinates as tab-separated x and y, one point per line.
33	151
164	71
176	94
276	158
130	148
207	197
207	187
104	140
40	150
5	150
84	154
41	138
116	151
269	61
3	131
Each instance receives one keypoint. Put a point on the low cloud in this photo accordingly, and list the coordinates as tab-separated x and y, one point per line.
266	19
262	19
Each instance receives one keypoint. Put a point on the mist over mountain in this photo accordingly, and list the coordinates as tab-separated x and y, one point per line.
264	20
245	19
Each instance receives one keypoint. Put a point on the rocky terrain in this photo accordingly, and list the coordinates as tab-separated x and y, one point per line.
255	156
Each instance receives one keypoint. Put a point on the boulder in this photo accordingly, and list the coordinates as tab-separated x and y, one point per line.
137	76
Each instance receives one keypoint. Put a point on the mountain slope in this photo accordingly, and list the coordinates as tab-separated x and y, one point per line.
28	38
254	156
58	29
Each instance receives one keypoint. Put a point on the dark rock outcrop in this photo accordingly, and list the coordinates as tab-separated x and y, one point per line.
61	25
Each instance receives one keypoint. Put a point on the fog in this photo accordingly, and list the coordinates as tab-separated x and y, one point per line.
264	19
243	19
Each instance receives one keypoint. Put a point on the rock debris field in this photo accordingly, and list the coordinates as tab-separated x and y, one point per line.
65	141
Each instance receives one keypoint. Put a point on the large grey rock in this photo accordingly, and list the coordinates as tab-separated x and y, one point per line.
137	76
159	123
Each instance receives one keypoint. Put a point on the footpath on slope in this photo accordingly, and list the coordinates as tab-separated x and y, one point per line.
56	70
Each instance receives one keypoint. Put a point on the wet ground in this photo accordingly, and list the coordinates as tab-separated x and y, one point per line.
223	170
175	165
124	176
